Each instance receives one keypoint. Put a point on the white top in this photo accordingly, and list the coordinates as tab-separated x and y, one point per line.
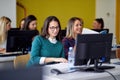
4	59
52	40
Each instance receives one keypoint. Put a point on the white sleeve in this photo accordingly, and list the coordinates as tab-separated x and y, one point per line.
42	60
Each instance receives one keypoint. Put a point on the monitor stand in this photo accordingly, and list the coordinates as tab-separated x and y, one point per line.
24	51
95	68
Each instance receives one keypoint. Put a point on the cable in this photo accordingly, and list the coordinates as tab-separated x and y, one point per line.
111	75
88	63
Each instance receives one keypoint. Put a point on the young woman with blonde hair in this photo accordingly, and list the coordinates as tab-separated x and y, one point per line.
74	27
5	25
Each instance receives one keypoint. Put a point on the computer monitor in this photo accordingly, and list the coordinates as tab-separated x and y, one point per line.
20	40
14	28
63	33
32	73
93	46
101	30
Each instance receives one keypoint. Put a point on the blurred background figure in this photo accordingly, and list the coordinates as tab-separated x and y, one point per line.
5	25
30	23
98	23
21	26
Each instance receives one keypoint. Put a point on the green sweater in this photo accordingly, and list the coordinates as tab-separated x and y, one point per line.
42	47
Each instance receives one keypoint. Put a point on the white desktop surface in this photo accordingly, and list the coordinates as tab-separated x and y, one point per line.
9	58
7	62
79	75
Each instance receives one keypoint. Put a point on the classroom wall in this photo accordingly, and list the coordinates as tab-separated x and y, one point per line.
63	9
8	8
107	10
118	21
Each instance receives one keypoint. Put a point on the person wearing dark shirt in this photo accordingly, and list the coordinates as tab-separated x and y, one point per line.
30	23
98	23
21	26
74	27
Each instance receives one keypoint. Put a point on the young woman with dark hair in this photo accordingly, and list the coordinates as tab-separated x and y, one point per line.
47	47
30	23
98	23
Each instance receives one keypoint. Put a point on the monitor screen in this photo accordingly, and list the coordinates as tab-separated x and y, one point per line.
14	28
20	40
32	73
92	46
62	34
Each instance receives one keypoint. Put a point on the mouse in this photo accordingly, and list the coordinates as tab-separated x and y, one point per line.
52	63
56	71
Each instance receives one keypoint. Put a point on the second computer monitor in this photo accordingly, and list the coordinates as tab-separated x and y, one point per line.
92	46
20	40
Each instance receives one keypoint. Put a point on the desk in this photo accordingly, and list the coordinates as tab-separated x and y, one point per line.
79	75
115	52
12	54
118	53
7	62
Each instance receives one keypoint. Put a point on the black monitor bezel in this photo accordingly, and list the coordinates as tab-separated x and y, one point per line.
99	30
21	37
88	38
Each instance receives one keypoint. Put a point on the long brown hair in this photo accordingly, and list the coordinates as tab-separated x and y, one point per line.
28	19
100	21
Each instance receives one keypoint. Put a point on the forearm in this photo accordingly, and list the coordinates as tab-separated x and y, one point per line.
47	60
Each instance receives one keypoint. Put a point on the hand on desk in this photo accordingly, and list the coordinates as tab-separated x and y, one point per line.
2	50
62	60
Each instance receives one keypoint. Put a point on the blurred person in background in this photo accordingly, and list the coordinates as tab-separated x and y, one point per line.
5	25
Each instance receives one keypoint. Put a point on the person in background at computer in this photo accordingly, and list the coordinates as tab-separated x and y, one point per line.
47	47
21	26
74	27
98	23
30	23
5	25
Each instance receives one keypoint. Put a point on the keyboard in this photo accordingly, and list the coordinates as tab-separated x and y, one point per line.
118	63
100	68
10	54
106	67
49	63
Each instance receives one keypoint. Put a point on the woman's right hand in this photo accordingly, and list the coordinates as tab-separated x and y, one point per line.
2	50
62	60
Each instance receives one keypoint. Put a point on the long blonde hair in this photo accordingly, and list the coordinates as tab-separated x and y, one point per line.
70	33
3	32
